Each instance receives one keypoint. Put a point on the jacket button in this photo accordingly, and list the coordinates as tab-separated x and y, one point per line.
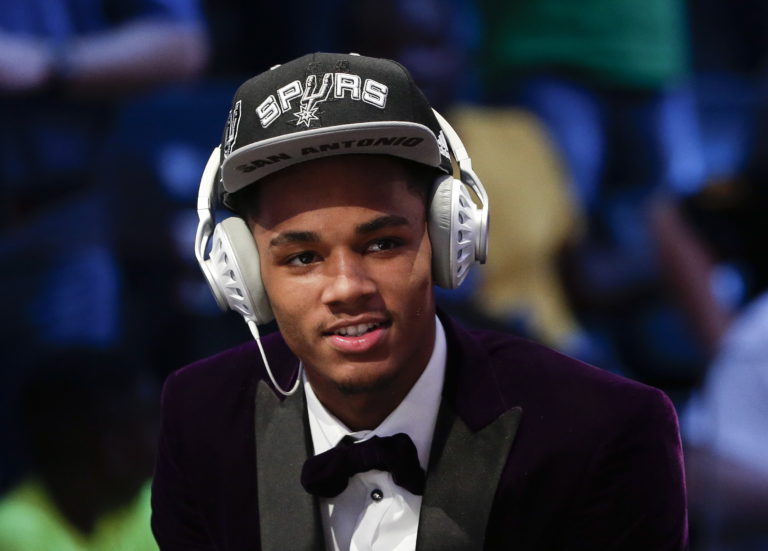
377	495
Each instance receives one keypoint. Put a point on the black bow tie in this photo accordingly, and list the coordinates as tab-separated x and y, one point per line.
327	474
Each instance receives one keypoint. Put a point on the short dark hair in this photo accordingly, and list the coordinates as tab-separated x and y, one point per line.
245	203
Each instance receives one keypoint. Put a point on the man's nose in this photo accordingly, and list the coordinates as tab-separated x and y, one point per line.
348	280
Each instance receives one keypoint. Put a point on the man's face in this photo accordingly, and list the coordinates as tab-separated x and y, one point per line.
346	262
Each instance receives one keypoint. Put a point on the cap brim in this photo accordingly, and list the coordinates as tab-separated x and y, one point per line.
406	140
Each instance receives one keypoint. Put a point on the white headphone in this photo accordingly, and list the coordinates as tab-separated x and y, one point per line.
458	232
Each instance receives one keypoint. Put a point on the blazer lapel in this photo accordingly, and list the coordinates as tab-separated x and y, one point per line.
465	468
471	445
289	517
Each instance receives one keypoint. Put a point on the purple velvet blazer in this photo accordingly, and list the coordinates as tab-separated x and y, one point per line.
532	450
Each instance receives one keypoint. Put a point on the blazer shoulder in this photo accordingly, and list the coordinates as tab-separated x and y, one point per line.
224	374
595	452
537	376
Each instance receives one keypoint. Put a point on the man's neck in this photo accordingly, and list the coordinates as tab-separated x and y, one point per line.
364	410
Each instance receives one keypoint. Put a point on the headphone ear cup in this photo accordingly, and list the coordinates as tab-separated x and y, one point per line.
440	222
235	271
454	222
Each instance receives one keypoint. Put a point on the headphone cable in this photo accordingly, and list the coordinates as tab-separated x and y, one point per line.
255	332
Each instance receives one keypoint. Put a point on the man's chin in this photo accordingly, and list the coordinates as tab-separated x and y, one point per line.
365	385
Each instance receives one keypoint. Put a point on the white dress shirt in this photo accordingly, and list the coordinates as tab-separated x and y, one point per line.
373	513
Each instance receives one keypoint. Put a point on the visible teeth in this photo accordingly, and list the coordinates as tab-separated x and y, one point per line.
356	330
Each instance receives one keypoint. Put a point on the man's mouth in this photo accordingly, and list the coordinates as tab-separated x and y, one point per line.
357	338
357	330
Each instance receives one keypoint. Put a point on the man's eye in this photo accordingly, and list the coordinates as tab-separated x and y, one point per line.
302	259
383	245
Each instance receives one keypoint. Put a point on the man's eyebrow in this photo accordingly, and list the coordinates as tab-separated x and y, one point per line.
289	237
387	221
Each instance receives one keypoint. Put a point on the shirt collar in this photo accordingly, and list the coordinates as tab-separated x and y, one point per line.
415	415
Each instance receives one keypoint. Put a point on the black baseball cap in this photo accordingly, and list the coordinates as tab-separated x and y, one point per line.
326	104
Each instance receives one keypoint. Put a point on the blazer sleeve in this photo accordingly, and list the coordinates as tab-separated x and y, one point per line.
176	520
634	492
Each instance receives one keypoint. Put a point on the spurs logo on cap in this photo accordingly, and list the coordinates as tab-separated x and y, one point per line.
311	97
317	90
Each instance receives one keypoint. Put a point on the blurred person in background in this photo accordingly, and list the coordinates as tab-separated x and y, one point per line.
716	261
724	422
64	66
90	424
608	82
710	240
533	222
726	440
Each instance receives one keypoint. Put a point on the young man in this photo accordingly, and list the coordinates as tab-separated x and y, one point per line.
407	431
